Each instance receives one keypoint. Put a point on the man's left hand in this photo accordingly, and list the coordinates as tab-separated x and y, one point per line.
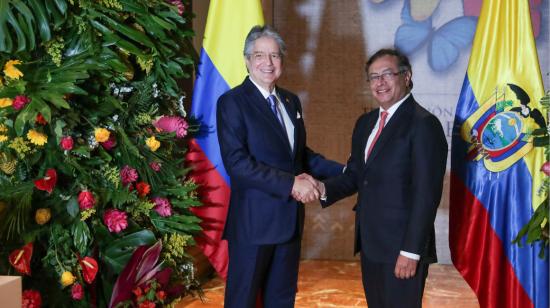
405	268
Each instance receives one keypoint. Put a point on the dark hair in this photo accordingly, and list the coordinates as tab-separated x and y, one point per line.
403	63
260	31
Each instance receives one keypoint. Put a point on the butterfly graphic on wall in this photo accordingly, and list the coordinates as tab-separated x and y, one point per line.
444	43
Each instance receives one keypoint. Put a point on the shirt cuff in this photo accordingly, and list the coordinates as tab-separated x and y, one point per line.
410	255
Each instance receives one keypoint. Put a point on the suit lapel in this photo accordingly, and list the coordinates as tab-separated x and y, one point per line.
290	109
257	101
369	126
396	121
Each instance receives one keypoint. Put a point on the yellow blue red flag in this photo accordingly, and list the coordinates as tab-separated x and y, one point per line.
221	68
496	171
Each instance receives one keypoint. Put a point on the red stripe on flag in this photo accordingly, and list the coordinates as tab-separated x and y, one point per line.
214	194
477	252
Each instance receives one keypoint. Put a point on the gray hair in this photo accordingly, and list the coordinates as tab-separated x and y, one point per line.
263	31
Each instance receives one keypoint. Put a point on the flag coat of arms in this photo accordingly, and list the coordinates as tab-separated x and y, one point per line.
496	172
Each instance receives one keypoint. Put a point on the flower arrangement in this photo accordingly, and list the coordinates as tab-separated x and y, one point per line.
537	229
92	143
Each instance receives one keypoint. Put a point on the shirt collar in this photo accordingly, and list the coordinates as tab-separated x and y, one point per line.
265	94
394	107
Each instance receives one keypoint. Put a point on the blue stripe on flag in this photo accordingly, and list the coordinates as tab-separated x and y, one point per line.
209	86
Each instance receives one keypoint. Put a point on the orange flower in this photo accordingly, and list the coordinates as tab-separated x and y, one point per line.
11	71
143	189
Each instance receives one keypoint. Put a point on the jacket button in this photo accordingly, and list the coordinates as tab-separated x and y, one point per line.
365	182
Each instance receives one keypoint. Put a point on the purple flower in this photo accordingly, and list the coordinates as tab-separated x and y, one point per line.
172	124
128	175
162	206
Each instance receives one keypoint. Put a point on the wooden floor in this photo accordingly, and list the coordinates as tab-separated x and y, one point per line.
338	284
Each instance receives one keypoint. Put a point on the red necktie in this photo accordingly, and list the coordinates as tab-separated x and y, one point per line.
383	117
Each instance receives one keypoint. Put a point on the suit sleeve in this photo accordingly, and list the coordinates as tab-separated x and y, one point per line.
321	168
243	169
345	184
429	156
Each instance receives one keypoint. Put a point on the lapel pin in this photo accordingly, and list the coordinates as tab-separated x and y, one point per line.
298	115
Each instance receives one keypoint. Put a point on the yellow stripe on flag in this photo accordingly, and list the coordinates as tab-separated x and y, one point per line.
227	26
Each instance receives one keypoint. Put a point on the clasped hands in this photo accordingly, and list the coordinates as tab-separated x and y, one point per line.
307	189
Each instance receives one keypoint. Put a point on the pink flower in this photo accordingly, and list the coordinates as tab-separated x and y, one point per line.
86	200
172	124
546	168
31	299
155	166
179	5
20	101
110	143
115	220
66	143
128	175
162	206
77	292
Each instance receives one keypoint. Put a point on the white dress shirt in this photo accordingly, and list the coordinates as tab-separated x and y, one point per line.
289	126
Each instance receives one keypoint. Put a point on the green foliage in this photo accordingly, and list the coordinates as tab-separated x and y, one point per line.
81	86
537	229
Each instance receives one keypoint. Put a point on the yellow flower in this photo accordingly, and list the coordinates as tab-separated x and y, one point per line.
3	128
152	143
42	216
3	138
101	134
5	102
67	279
11	71
37	137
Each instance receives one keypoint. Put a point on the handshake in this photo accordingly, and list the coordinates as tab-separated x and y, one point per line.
307	189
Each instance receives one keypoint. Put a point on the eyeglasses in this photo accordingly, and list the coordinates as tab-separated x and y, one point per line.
389	75
261	56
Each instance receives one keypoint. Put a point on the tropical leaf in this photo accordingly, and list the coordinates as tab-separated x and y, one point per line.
182	224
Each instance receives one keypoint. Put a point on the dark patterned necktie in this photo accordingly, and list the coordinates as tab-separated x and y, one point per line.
272	100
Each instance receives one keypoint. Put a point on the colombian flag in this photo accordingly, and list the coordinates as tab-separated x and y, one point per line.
221	68
495	173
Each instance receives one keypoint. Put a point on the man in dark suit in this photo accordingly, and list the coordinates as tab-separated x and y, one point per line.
263	145
397	164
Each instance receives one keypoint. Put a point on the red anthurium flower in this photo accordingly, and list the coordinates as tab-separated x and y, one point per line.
20	259
89	268
48	182
40	119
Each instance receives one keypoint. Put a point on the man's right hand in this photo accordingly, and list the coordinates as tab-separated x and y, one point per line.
305	188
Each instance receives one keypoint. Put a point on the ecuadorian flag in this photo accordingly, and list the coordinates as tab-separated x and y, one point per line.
496	171
221	68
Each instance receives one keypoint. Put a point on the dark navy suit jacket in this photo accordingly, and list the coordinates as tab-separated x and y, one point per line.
261	165
399	186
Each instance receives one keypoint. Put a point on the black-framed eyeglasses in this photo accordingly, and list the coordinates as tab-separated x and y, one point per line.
389	75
